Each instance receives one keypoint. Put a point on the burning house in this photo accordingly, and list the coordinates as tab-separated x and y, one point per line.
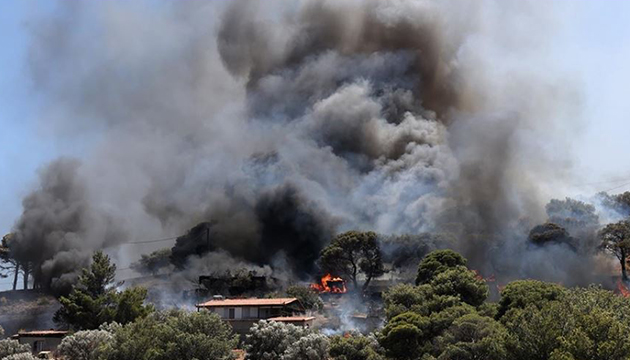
329	284
243	313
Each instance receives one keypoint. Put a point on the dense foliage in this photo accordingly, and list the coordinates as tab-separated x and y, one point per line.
85	345
445	318
10	347
355	347
175	334
269	340
94	301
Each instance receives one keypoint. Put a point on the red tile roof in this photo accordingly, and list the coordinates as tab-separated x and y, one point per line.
292	318
248	302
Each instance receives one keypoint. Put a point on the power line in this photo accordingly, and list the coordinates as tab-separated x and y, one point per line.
617	187
603	182
150	241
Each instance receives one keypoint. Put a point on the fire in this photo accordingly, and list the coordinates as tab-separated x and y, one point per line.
478	276
623	289
330	284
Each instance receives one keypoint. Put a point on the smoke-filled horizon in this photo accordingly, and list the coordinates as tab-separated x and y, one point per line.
282	125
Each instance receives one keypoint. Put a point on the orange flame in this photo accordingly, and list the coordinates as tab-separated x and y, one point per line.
622	288
478	276
330	284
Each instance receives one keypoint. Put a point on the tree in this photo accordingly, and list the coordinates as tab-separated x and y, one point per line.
406	336
353	252
308	297
571	213
402	298
355	347
463	283
615	238
7	262
437	262
268	340
473	337
550	233
94	301
85	345
310	347
175	334
522	293
153	262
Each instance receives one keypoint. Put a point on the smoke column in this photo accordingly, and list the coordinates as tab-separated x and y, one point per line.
281	124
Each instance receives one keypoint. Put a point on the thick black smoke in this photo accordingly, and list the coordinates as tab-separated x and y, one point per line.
290	226
59	227
276	125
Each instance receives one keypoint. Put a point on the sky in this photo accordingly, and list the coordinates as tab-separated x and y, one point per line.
592	49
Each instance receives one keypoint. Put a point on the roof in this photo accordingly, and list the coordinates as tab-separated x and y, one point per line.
292	318
248	302
42	333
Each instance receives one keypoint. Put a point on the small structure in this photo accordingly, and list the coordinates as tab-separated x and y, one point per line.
41	340
243	313
304	321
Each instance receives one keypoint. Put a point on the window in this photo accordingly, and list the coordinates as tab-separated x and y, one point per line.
246	314
231	313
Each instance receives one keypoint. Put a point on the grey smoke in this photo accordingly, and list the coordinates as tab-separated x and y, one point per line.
282	124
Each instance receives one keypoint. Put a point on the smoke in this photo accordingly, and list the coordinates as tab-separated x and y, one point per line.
278	125
60	227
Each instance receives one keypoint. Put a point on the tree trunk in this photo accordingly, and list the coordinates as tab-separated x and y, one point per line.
367	283
624	273
26	274
15	276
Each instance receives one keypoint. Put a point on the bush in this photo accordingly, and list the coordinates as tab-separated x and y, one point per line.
84	345
175	334
310	347
21	356
268	340
11	347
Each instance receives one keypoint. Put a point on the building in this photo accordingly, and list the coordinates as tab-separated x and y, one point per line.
41	340
243	313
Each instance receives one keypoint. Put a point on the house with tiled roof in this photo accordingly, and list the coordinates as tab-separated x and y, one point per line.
243	313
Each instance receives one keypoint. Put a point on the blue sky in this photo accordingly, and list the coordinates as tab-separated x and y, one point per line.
593	46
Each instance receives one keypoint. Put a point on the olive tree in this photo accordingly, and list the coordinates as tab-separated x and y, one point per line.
84	345
310	347
268	340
